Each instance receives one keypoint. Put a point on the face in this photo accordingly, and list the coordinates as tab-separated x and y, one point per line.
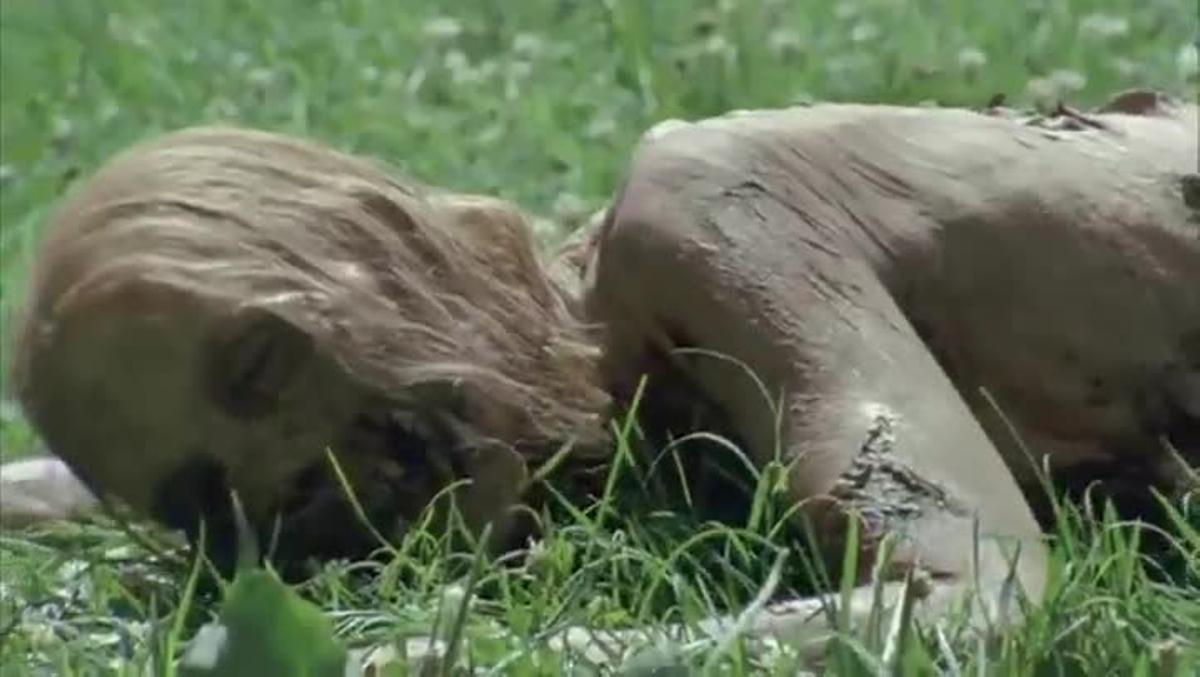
173	402
215	310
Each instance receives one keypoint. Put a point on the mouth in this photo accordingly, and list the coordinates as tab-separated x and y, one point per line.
390	465
195	499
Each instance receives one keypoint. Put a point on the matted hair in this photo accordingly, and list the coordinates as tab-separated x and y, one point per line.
414	293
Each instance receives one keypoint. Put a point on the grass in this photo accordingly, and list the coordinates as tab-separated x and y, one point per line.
540	101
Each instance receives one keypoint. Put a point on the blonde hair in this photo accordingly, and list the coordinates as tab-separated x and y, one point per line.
415	294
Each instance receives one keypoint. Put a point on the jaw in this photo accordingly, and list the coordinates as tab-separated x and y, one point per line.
385	472
254	412
376	482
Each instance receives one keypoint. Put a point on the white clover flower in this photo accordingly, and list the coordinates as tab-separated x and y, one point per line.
107	111
783	41
717	44
1041	90
971	59
456	61
62	129
600	126
260	76
123	29
1067	81
1188	61
442	28
528	44
864	31
1103	26
847	9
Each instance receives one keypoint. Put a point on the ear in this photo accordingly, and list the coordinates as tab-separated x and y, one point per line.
498	477
252	360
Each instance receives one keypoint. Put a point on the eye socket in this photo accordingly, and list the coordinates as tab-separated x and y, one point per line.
252	361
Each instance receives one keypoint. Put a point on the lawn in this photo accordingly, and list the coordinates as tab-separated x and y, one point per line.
540	101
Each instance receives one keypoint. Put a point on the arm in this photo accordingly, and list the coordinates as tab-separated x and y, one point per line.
751	248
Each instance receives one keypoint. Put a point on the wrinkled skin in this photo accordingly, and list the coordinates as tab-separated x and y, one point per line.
875	268
879	267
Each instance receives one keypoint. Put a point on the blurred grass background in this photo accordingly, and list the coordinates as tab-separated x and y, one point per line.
537	101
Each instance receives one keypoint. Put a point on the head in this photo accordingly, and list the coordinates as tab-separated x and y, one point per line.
218	310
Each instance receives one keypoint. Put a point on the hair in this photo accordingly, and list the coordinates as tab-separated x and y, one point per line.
414	293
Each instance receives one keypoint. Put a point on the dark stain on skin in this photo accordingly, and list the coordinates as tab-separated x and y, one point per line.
195	497
315	521
885	491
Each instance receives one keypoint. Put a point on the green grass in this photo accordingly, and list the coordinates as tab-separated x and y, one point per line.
539	101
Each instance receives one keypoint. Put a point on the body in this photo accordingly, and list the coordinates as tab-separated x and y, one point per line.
1079	315
873	268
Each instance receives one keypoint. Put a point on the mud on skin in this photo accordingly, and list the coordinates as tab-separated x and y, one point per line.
418	331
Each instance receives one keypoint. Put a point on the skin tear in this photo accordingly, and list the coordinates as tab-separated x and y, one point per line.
885	491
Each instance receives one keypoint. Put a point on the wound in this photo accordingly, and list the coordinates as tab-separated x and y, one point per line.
884	490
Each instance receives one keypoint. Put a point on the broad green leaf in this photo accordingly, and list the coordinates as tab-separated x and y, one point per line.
265	629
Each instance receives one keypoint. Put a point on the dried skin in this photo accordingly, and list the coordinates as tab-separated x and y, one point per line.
279	299
864	257
218	308
885	492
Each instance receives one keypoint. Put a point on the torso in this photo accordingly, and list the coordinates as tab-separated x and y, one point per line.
1083	327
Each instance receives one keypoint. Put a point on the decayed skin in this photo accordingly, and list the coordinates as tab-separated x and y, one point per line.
234	303
214	310
878	266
